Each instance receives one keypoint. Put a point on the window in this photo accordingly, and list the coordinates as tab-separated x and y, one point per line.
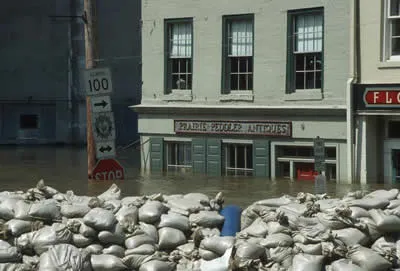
178	155
394	129
305	50
29	121
179	40
238	159
237	66
392	30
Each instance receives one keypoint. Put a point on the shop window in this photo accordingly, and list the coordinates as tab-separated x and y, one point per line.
238	159
394	129
178	155
30	121
304	151
331	172
284	169
330	152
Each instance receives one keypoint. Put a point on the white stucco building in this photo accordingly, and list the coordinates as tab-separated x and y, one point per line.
377	96
243	88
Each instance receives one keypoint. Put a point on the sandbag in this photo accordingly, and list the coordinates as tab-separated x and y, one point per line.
175	221
210	219
351	236
386	245
276	202
251	213
282	255
306	262
327	204
185	205
384	222
147	229
136	201
65	257
157	265
8	253
116	236
186	249
48	211
145	249
170	238
333	221
107	262
94	249
115	250
138	240
249	251
358	212
113	192
275	227
112	205
7	208
15	267
207	255
217	244
151	211
219	264
18	227
367	259
100	219
393	204
369	203
87	231
130	211
344	265
277	240
311	249
21	210
81	241
257	229
74	210
371	228
383	194
200	197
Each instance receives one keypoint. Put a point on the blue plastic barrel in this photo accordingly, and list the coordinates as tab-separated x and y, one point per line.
231	226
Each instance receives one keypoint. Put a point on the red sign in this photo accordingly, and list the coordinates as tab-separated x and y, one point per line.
382	97
108	169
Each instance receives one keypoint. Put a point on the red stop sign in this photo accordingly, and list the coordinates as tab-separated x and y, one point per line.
108	169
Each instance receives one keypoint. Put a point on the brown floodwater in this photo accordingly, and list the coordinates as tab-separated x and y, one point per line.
65	168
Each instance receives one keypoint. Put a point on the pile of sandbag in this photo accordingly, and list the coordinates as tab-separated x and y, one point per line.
44	229
313	232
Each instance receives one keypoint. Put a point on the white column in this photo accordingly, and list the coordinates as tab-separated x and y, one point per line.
272	161
291	170
363	150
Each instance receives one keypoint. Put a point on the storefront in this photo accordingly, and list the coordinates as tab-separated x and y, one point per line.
377	133
276	148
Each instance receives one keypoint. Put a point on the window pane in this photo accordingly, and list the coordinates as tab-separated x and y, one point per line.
396	46
249	150
310	77
183	66
318	58
250	82
189	81
175	81
234	64
244	82
241	38
181	40
330	152
188	154
181	154
243	64
299	80
310	62
28	121
231	155
171	154
175	65
240	156
318	80
234	82
394	7
308	33
300	62
394	129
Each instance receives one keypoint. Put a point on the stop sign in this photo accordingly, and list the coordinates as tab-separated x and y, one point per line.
108	169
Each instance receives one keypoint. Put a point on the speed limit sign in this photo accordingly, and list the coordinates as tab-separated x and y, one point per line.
98	81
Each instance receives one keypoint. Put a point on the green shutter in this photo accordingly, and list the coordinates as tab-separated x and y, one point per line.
214	157
261	161
156	154
199	149
290	71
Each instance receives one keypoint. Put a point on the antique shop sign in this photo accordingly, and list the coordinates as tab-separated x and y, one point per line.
268	128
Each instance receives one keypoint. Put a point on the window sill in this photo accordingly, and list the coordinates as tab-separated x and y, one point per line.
246	96
178	95
304	95
390	64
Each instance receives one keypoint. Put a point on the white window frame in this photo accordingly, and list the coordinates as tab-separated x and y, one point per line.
174	166
247	171
387	31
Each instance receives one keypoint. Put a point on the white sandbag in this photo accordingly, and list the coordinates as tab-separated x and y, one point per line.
292	211
9	253
145	249
134	261
251	213
368	259
306	262
384	222
156	265
151	211
170	238
369	203
173	210
100	219
344	265
257	229
249	251
94	249
186	249
113	192
115	250
185	265
351	236
185	204
175	221
65	257
384	245
107	262
217	244
21	210
207	255
18	227
15	267
207	232
81	241
327	204
312	249
277	240
219	264
133	201
7	208
276	202
112	205
200	197
32	261
358	212
116	236
393	204
209	219
275	227
148	229
384	194
74	210
282	255
138	240
125	210
332	221
49	211
87	231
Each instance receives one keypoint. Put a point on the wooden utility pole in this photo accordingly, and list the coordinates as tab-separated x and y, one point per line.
91	56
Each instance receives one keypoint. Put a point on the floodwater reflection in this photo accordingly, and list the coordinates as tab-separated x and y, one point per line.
65	168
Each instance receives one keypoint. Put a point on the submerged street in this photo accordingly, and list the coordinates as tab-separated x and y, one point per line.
65	168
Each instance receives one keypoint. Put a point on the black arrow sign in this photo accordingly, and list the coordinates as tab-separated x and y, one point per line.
103	149
102	103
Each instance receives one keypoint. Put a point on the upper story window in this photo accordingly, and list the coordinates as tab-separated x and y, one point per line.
305	49
392	30
179	48
238	47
